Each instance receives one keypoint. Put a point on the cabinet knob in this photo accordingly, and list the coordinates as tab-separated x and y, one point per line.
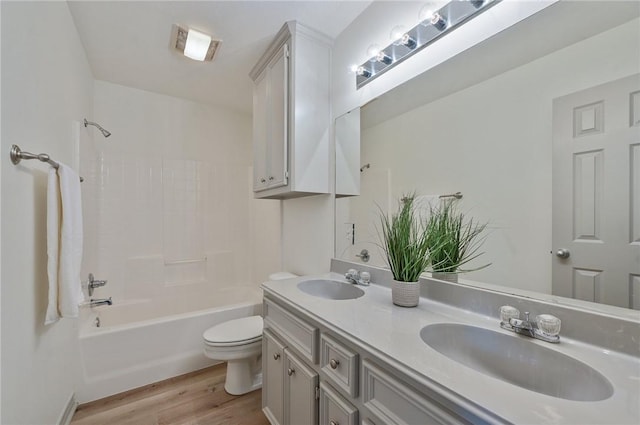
276	356
271	178
290	371
334	423
262	180
334	363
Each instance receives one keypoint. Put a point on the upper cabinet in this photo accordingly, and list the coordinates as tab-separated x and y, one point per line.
291	115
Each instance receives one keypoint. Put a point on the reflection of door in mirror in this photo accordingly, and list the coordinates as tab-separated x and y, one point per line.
596	194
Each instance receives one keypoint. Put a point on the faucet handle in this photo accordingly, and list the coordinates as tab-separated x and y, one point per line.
365	277
351	273
507	313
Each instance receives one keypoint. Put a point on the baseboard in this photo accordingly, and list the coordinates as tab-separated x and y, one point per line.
69	410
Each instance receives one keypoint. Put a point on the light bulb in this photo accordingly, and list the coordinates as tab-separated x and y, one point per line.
426	13
396	34
353	68
372	52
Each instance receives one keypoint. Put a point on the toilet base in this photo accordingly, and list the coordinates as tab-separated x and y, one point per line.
243	376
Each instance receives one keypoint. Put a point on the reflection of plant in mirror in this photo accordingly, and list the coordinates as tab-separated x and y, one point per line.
452	240
404	241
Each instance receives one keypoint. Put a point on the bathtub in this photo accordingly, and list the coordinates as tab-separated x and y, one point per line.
144	341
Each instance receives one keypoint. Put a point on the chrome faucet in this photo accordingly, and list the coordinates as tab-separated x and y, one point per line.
510	320
93	284
103	301
358	278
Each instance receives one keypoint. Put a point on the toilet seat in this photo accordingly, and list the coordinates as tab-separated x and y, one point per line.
236	332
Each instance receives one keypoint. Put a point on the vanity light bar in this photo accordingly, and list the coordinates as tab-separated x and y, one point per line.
439	23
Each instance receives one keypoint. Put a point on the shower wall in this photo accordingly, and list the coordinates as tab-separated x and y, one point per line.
168	202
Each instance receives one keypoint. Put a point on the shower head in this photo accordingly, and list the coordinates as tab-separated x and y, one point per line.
104	132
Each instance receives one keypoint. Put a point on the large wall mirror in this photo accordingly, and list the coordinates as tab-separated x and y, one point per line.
522	126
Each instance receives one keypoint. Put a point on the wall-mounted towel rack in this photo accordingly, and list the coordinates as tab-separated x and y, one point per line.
457	195
18	155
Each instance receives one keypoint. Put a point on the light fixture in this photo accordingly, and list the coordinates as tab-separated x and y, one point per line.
384	58
363	72
432	25
438	21
408	41
194	44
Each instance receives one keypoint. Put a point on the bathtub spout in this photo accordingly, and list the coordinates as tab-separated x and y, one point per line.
104	301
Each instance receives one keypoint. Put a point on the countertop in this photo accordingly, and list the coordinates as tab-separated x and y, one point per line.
393	333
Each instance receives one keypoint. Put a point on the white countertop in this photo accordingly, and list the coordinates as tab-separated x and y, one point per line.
393	333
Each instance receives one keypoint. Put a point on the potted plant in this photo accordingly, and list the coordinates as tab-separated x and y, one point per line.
405	246
453	241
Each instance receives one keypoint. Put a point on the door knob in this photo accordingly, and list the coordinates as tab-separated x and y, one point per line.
563	253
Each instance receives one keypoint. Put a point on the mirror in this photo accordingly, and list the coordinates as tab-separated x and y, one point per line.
481	124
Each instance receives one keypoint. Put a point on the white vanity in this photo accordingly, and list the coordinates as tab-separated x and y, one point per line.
351	357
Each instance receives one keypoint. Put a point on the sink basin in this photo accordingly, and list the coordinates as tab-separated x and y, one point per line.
330	289
517	361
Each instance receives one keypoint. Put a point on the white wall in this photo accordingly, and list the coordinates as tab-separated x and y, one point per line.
46	86
172	183
493	142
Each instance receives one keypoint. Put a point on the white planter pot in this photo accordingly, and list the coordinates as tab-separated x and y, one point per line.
449	277
405	294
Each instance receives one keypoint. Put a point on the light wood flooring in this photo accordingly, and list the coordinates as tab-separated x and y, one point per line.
197	398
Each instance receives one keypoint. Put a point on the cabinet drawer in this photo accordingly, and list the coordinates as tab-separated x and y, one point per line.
340	364
334	409
298	334
393	401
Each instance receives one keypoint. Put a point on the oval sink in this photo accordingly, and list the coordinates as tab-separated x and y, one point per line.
330	289
518	362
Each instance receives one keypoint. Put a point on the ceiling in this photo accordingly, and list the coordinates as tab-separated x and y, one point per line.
127	42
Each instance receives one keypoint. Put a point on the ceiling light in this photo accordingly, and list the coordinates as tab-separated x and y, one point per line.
194	44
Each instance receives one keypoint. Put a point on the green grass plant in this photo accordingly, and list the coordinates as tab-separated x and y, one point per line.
452	240
404	241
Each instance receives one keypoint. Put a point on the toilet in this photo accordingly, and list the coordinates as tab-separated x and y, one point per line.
239	343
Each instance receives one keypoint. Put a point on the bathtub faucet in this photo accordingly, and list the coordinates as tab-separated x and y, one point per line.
104	301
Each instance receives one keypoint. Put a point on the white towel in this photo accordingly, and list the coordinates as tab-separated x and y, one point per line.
64	243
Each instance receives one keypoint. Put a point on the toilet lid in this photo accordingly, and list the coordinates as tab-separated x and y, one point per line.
245	330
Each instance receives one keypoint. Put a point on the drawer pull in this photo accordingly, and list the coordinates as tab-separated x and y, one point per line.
276	356
290	371
334	363
334	423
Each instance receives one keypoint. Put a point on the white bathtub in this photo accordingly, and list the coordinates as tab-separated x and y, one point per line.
145	341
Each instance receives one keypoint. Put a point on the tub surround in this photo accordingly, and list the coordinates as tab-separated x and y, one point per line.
389	336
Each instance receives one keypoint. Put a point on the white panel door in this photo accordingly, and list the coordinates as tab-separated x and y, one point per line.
596	194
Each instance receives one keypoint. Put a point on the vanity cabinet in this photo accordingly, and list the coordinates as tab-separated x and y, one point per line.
291	115
313	375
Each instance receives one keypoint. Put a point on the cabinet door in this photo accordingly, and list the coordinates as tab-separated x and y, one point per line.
278	72
273	378
260	132
301	404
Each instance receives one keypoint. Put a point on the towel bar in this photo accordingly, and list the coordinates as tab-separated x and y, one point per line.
18	155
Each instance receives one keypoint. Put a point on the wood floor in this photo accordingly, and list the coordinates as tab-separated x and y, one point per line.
197	398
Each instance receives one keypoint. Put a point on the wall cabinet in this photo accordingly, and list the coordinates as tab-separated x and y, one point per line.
344	384
291	115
